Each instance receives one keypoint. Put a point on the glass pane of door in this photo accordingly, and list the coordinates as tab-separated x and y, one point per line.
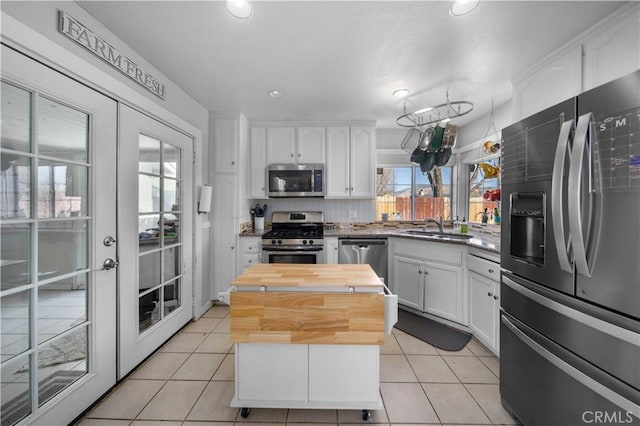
159	239
44	249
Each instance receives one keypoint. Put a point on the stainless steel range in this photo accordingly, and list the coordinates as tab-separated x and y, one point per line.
295	237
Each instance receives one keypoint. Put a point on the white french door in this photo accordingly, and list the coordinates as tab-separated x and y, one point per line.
58	224
155	232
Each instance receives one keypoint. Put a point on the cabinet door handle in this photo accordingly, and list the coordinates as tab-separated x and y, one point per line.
496	297
232	247
426	272
233	163
346	189
419	271
299	155
489	294
491	271
291	155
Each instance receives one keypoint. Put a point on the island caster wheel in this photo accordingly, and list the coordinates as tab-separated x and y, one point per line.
366	415
244	412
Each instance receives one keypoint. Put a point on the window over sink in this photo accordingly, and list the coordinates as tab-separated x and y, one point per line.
405	193
484	191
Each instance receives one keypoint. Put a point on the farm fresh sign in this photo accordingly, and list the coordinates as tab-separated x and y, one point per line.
77	32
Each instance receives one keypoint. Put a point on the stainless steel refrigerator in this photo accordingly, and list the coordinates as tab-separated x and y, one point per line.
570	283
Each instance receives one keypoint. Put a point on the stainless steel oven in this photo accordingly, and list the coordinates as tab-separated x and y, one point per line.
295	237
293	255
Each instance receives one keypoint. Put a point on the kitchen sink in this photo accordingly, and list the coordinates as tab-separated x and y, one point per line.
437	235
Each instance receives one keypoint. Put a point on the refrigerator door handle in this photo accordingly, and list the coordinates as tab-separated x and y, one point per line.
578	375
582	143
605	327
557	191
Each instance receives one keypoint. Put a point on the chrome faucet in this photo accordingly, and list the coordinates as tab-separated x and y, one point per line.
440	222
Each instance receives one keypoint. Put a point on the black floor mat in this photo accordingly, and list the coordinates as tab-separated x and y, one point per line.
427	330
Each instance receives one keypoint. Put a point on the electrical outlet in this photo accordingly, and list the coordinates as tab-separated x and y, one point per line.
353	213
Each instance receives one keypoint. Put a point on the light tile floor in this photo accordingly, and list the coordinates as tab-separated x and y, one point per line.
189	382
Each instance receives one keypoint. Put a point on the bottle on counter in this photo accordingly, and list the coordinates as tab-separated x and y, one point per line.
456	225
485	217
463	226
496	215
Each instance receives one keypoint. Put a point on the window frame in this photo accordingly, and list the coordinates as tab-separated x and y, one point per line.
498	181
453	193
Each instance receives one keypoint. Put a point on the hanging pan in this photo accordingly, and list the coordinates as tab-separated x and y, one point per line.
428	163
425	138
411	140
436	139
449	137
418	156
443	156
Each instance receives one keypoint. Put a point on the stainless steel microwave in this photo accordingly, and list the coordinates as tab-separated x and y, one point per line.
295	180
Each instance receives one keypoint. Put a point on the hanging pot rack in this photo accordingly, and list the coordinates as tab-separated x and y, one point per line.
435	114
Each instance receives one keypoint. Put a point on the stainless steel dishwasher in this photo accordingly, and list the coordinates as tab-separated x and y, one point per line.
372	251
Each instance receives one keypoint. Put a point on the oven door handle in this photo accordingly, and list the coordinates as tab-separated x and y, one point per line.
292	250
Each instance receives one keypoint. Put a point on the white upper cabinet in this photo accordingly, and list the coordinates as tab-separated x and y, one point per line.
258	160
311	145
338	165
608	50
295	145
225	145
614	50
281	145
363	162
350	171
554	80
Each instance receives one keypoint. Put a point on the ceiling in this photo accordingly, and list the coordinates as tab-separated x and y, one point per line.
341	60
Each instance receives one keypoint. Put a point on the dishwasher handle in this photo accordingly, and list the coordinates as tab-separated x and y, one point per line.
374	242
359	249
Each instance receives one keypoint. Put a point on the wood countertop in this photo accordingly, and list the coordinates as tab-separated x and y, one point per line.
306	308
301	275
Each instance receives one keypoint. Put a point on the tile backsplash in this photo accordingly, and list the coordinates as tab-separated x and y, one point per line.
334	210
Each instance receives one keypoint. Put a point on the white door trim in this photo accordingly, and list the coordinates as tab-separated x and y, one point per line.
101	304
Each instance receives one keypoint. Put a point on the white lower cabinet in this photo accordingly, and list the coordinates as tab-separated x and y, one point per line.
307	376
331	250
408	282
271	372
428	277
249	252
353	367
484	301
443	291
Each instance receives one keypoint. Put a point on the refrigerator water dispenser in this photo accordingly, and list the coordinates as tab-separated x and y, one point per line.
527	227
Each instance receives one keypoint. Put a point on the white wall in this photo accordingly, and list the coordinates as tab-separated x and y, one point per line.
32	27
42	16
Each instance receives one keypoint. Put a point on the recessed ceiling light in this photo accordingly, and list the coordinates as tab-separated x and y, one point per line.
462	7
401	93
240	8
274	93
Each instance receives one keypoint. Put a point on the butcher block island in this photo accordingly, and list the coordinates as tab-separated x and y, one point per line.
309	336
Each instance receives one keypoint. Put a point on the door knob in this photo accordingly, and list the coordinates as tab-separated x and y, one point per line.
108	241
109	264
